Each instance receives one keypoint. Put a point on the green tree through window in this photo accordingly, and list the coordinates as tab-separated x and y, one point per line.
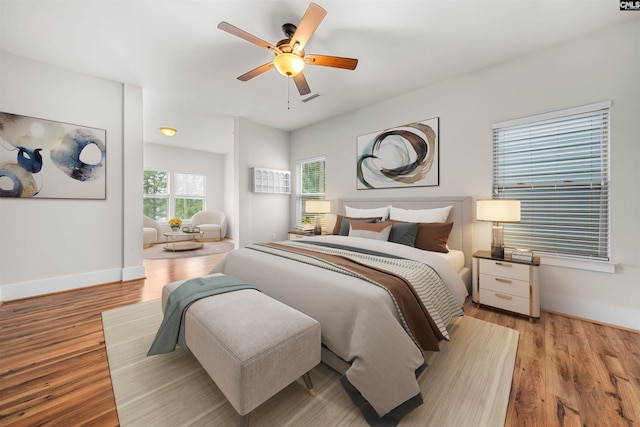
311	185
182	197
156	195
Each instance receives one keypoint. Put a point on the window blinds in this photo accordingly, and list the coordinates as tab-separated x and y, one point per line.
557	165
311	185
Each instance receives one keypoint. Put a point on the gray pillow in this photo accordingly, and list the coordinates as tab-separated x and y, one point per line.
404	233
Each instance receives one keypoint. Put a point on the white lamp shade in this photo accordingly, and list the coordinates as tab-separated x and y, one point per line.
498	210
317	206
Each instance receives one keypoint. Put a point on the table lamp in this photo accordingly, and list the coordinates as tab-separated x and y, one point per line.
497	211
317	207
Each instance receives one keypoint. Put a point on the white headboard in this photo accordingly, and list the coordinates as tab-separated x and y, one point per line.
461	215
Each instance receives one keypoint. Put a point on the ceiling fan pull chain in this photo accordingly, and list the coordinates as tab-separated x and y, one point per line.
289	94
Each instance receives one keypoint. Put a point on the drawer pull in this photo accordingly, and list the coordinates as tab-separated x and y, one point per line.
503	296
502	264
498	279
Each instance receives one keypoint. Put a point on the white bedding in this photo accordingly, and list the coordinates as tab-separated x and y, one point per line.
447	265
454	257
359	322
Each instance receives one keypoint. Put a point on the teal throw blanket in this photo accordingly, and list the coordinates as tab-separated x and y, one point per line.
171	331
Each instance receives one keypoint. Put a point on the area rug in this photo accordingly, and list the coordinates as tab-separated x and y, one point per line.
209	248
467	383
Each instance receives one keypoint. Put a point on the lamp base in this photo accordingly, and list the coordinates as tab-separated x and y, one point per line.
497	251
497	241
318	226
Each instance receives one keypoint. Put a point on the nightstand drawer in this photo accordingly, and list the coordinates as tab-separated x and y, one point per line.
503	285
505	269
505	301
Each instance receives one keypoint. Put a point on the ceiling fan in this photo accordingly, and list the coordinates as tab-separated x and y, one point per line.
290	58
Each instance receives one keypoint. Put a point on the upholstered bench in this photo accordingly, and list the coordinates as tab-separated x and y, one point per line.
251	345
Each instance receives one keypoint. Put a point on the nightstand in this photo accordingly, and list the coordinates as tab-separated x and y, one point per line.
297	234
506	284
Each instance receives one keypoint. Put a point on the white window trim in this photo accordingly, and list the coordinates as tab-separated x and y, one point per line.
298	184
553	114
577	263
172	195
558	260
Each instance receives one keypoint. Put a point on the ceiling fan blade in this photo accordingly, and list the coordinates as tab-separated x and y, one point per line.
331	61
225	26
308	25
301	84
256	71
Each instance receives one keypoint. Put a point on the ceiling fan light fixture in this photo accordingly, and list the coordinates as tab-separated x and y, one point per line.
289	64
167	131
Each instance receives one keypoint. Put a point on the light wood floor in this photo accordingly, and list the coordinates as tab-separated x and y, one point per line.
53	365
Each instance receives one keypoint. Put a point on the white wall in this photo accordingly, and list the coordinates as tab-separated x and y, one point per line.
132	173
602	66
259	217
230	196
163	157
48	245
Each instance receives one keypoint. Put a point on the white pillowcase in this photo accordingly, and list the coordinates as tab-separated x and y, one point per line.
367	213
370	231
420	215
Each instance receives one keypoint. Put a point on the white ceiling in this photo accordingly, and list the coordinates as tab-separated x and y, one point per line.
188	68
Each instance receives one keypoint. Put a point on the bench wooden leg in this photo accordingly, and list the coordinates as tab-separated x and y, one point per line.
244	420
309	384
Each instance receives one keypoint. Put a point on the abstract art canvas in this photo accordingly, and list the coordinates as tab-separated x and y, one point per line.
47	159
403	156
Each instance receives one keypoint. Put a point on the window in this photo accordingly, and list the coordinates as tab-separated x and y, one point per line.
189	192
557	165
311	185
156	195
181	198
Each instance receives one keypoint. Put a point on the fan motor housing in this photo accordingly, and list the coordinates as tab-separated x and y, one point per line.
285	47
289	30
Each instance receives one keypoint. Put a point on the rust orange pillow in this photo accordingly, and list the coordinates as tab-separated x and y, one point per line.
433	236
342	224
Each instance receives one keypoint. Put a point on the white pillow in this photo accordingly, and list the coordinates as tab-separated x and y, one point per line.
420	215
367	213
376	231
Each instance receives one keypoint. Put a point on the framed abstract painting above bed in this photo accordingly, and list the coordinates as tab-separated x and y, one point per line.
400	157
381	303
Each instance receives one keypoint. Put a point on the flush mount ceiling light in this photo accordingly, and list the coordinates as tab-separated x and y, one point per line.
167	131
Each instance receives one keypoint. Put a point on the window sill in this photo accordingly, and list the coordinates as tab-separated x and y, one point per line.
578	264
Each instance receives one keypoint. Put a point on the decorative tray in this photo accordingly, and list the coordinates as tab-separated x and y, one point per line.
191	230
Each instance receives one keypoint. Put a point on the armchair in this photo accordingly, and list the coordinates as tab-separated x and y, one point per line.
151	231
213	225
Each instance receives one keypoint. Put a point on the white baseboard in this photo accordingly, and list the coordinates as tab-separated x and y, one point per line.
133	273
594	311
13	291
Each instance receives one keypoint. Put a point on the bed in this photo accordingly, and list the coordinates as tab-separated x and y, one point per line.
365	335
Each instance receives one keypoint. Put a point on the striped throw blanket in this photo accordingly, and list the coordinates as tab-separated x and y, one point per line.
425	306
